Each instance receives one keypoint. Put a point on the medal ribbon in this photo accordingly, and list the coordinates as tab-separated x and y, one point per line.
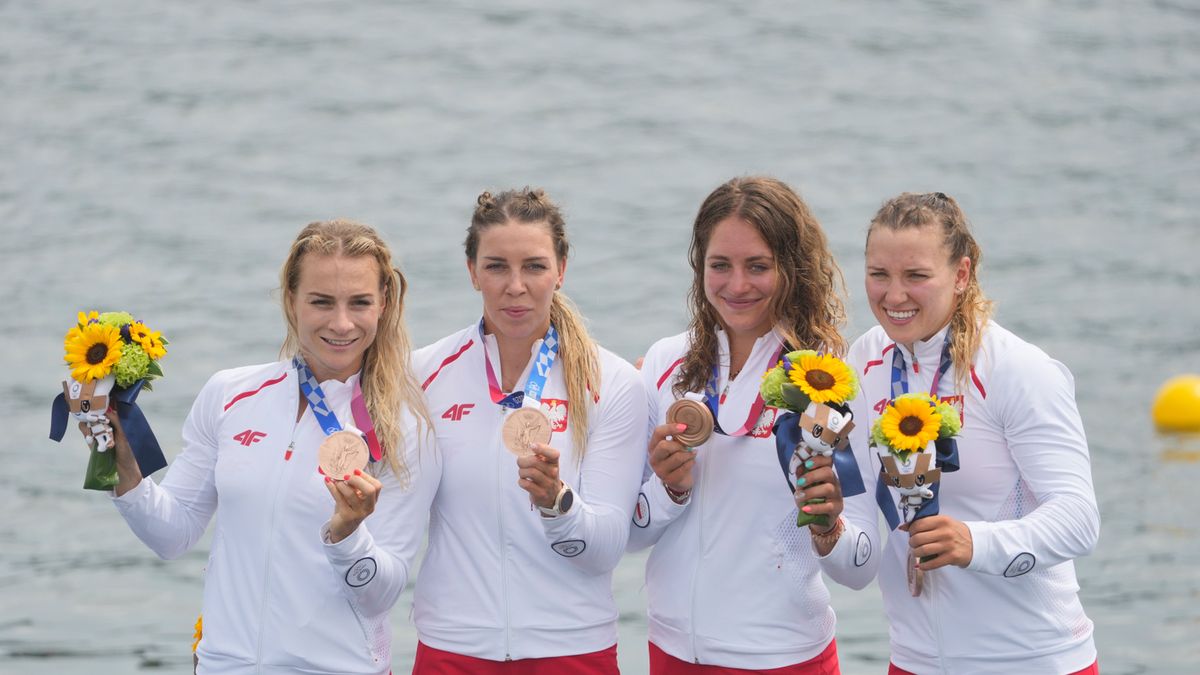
712	399
325	416
947	448
531	395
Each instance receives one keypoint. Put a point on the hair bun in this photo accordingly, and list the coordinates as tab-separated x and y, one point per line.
485	200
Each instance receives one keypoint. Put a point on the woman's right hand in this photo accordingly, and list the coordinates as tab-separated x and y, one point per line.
129	474
671	460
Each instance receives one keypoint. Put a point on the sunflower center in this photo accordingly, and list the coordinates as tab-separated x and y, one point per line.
911	426
819	379
96	353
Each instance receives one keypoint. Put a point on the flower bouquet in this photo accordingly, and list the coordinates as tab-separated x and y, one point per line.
112	357
915	440
814	388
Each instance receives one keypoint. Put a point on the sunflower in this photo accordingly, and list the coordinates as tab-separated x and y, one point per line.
85	319
92	350
823	378
909	424
150	340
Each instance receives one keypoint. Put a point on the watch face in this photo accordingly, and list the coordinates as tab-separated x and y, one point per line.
564	504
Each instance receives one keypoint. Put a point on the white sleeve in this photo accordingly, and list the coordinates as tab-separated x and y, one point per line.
374	562
653	510
854	560
1035	406
592	535
170	518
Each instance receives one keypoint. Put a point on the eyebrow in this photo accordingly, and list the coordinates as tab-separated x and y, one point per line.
535	258
755	258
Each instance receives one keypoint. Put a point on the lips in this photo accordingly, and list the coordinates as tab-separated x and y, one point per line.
741	303
516	312
339	343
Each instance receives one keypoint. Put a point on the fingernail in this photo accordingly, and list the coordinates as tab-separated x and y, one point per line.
680	427
807	509
346	477
328	479
799	494
690	449
357	472
801	481
808	464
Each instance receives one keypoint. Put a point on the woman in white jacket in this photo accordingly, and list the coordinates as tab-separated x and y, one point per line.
524	536
733	584
304	568
998	593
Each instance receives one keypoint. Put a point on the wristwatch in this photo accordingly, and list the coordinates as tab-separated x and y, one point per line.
562	503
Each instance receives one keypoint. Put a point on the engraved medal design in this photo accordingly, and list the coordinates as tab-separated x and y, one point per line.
696	416
342	453
524	427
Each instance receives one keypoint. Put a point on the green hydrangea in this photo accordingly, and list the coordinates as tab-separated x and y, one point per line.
116	319
951	424
772	387
133	366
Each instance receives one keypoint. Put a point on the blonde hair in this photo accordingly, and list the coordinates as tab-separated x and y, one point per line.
972	308
807	309
388	383
576	352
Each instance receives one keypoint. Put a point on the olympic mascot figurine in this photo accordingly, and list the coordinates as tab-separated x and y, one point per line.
112	357
814	389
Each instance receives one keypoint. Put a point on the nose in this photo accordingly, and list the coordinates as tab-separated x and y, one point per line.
341	322
739	282
895	293
516	283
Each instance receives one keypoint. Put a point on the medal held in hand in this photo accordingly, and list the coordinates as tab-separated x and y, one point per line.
695	416
524	427
342	453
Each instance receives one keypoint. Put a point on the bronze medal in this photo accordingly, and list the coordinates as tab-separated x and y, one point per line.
696	416
916	575
341	453
524	427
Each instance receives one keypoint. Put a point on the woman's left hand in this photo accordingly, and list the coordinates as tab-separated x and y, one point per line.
354	499
820	482
939	541
539	475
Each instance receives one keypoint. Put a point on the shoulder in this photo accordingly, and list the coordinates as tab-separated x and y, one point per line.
428	359
1007	359
228	387
664	356
869	347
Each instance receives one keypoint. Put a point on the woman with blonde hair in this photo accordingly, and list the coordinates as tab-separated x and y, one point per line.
304	567
719	514
538	427
986	583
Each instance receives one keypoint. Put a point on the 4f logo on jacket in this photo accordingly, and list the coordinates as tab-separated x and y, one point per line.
457	411
249	437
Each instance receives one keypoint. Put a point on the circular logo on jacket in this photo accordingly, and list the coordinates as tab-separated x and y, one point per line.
862	550
641	511
361	572
569	548
1020	565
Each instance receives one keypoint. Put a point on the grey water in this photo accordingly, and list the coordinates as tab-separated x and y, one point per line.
159	157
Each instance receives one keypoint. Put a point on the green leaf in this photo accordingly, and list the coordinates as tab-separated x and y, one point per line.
154	370
796	399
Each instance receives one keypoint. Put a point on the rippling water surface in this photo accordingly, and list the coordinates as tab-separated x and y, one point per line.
161	156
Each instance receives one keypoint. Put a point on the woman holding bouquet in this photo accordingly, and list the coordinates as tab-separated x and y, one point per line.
540	431
304	568
999	589
720	515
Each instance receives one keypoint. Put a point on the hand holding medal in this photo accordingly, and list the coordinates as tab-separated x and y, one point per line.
814	388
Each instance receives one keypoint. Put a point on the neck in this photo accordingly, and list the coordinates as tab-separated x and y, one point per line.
740	347
514	355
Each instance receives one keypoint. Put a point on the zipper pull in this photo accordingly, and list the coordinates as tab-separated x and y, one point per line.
288	455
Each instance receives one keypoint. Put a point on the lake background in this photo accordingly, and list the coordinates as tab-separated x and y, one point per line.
160	157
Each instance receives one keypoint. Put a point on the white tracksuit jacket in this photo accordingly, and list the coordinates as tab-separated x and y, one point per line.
731	580
499	581
277	599
1024	490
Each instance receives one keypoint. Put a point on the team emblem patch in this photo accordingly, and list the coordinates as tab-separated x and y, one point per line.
556	411
862	550
766	420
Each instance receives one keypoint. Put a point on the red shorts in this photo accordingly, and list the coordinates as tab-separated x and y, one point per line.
432	661
1093	669
825	663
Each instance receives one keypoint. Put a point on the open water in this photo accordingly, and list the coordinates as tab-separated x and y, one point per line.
161	156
